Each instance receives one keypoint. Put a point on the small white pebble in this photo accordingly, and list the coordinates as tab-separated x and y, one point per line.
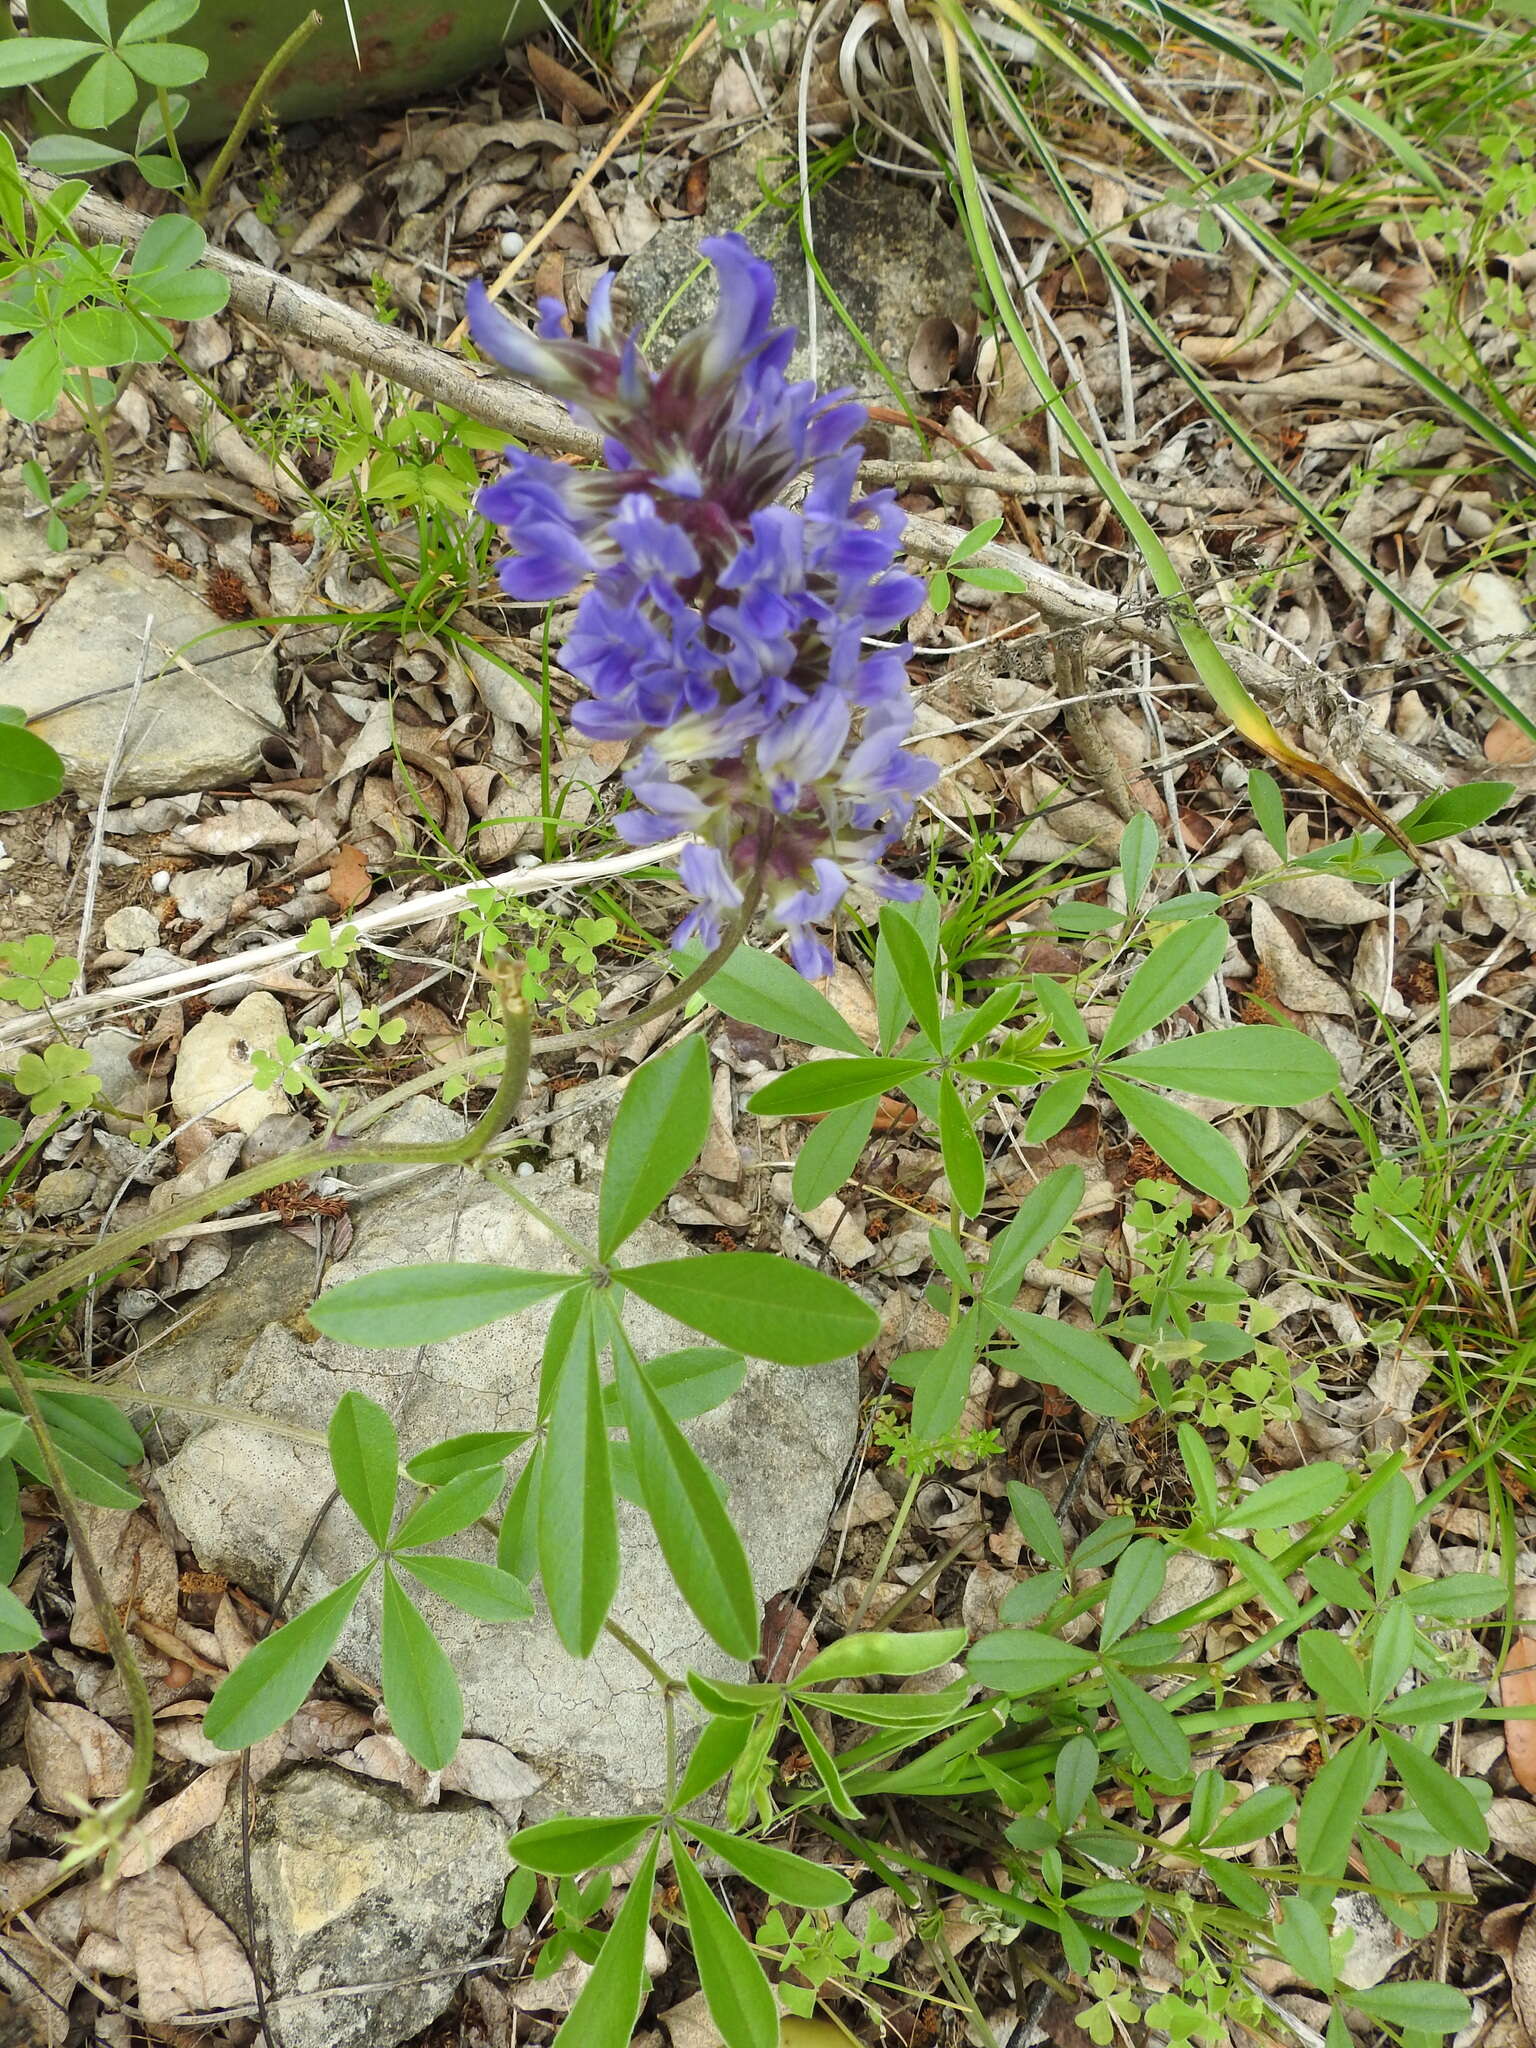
511	245
160	881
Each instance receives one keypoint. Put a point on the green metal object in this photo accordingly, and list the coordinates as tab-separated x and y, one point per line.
403	48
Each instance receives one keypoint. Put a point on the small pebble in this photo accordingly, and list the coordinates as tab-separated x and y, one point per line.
63	1192
132	930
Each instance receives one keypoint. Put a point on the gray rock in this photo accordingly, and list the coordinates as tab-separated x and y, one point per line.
269	1281
886	254
245	1498
24	549
132	929
63	1192
354	1885
195	726
283	1131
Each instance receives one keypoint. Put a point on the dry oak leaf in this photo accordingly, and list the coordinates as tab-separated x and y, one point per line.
186	1960
138	1570
349	882
178	1819
75	1757
1296	979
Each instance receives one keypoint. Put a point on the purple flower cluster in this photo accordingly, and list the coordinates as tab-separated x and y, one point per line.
722	628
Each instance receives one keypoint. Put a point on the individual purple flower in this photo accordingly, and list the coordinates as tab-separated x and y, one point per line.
726	630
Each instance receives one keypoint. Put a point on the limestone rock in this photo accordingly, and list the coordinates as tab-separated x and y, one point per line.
213	1068
353	1885
132	929
244	1498
886	254
195	726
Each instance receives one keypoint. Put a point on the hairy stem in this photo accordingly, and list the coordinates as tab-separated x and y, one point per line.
199	203
328	1152
163	102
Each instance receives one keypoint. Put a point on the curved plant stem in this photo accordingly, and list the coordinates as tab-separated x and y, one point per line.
163	102
323	1152
334	1151
199	203
668	1687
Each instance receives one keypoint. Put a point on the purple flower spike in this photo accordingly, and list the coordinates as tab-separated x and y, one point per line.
720	627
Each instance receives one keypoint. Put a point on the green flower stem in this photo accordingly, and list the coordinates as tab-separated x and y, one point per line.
199	202
121	1651
888	1551
163	102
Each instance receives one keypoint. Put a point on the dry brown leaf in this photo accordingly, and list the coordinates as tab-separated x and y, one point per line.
788	1641
178	1819
185	1958
349	882
1517	1688
1521	1965
1319	899
553	77
386	1758
1498	888
240	829
323	1728
1512	1822
934	353
138	1571
487	1771
1290	973
75	1757
15	1792
1508	745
